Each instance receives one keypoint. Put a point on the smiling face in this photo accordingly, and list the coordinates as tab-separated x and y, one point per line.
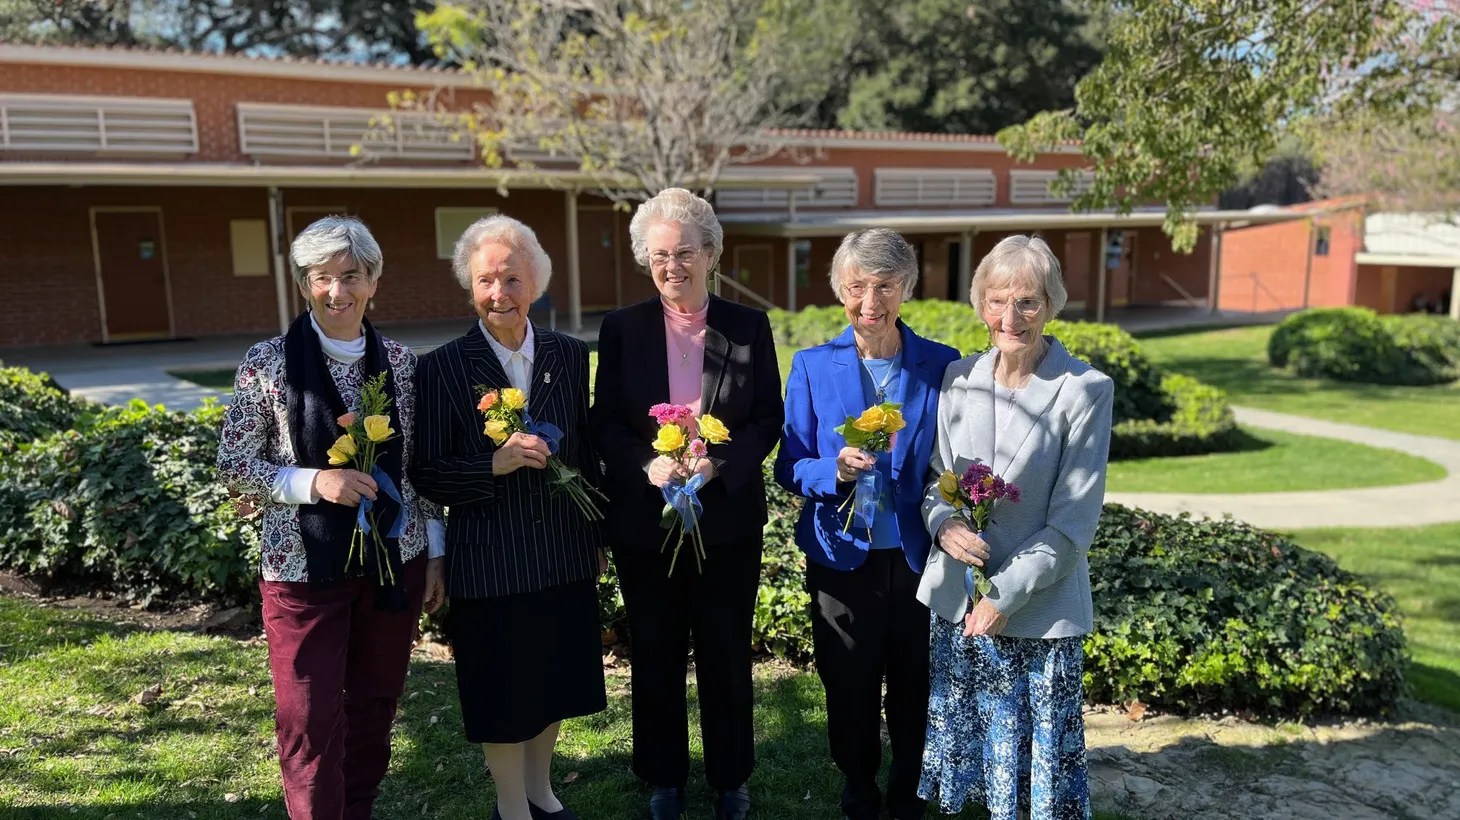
501	289
872	302
1015	310
338	293
679	262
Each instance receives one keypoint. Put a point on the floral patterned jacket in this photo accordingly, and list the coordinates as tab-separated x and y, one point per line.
256	455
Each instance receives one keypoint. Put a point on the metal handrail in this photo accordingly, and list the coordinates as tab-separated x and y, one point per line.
1191	300
764	303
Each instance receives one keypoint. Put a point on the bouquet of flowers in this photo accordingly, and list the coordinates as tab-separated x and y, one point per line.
358	447
872	433
973	495
506	413
683	436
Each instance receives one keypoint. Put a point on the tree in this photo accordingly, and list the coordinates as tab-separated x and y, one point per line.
1191	97
641	95
85	22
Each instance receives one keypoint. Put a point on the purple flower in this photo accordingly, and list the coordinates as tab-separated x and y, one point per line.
697	448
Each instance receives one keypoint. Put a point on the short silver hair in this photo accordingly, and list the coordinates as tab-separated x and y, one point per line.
513	234
878	251
1026	258
330	237
686	209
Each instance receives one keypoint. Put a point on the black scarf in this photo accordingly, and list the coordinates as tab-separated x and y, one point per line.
314	404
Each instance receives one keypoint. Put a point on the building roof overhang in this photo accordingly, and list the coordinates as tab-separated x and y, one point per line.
1406	260
809	225
199	174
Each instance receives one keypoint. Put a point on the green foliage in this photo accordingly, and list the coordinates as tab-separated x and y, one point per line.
33	406
130	501
1200	421
1355	344
1217	614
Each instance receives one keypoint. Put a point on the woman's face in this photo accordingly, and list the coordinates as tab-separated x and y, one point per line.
338	293
872	302
1015	311
678	261
501	288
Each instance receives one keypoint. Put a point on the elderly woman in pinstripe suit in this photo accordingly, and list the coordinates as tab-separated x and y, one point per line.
522	562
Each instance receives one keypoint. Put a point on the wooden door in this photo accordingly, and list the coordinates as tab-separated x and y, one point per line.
1122	277
752	270
1076	264
132	264
598	259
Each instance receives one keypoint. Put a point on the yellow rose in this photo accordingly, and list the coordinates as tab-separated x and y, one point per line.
871	420
343	451
948	486
497	430
670	440
713	430
892	421
377	428
514	399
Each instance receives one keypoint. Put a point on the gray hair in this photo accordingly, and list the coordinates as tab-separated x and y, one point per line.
330	237
683	207
1021	257
878	251
509	232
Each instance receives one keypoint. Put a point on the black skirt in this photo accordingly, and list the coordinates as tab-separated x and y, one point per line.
527	661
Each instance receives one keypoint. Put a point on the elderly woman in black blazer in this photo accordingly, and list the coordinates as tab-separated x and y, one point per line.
687	347
522	561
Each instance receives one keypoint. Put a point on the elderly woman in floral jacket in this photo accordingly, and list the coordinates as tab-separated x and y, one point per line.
339	626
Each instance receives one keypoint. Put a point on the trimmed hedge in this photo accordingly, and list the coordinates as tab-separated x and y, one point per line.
128	501
33	406
1358	345
1154	414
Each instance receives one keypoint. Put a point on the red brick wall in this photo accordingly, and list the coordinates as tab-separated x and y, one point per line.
1278	255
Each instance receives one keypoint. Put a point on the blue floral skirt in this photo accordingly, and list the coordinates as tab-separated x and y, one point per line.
1006	727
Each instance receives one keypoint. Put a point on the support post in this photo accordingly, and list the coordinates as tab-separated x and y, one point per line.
965	263
1308	267
276	246
1103	274
575	284
1455	295
1214	284
791	273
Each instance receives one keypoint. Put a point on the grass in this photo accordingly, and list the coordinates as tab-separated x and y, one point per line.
1420	567
1273	461
1235	359
76	745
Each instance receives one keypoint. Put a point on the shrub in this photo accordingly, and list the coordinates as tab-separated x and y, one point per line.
33	406
130	501
1218	614
1356	344
1200	421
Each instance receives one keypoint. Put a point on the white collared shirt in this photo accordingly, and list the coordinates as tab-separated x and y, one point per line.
517	363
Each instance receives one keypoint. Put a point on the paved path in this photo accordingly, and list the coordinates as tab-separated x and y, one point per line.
1432	502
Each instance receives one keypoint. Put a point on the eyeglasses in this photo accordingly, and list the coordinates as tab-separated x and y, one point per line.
323	281
884	291
683	256
1028	306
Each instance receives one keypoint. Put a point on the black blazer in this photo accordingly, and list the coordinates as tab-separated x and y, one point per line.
504	534
742	388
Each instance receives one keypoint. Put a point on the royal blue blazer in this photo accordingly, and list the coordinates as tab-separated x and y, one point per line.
824	388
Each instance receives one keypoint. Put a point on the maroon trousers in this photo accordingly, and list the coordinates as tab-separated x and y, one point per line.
339	668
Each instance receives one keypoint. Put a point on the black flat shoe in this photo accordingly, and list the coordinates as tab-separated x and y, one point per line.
666	804
564	813
733	804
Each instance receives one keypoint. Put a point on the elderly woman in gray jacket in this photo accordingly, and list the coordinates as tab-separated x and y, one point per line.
1005	727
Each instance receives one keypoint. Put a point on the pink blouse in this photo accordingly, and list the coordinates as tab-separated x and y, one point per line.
684	340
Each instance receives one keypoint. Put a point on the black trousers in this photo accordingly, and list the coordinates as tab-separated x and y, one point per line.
867	625
716	607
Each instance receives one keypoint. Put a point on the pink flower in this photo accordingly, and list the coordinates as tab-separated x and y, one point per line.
697	448
346	420
671	414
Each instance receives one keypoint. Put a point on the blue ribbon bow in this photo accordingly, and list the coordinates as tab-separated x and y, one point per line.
362	520
682	498
545	430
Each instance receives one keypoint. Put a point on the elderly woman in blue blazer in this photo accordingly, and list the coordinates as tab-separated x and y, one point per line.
1005	726
867	624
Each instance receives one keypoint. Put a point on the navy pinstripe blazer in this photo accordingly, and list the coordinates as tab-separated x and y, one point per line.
508	534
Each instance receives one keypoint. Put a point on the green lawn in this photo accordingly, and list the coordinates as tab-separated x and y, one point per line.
1420	567
73	743
1273	461
1235	359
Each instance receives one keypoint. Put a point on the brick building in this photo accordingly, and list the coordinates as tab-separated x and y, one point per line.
152	194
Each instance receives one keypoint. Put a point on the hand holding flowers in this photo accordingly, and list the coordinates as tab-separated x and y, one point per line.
684	442
359	446
973	495
522	442
871	433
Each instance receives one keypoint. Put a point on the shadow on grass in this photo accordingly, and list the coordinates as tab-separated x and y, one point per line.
28	629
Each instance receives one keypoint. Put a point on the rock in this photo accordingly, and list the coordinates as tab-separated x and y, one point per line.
1142	790
235	617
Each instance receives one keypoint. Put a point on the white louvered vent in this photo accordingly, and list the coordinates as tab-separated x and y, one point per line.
837	189
313	131
134	125
934	186
1032	187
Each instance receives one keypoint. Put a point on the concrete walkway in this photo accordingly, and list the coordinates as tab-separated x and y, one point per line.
1433	502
